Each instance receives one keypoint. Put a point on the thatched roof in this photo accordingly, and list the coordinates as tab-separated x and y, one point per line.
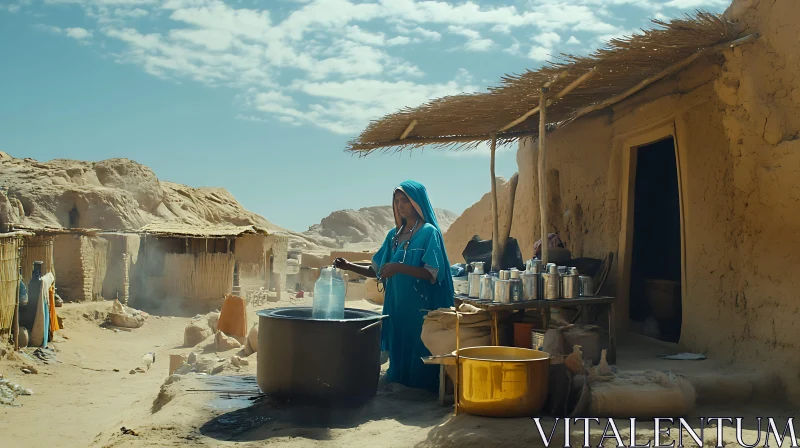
14	234
610	74
170	229
179	230
48	230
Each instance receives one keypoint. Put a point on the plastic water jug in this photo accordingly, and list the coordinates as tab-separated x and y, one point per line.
329	295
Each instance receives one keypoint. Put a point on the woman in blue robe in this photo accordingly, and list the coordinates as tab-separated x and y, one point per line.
413	267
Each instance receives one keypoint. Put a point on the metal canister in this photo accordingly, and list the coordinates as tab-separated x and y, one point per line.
551	283
530	285
502	291
570	285
586	286
475	285
516	286
486	287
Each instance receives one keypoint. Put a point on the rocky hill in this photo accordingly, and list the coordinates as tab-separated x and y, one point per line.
362	229
121	194
113	194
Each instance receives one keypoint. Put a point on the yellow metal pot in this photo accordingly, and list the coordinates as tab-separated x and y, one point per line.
496	381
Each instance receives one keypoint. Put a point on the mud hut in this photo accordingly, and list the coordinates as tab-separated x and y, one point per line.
79	256
677	150
205	263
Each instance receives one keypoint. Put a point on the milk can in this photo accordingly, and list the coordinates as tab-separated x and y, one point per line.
551	283
531	283
516	287
502	287
570	286
487	292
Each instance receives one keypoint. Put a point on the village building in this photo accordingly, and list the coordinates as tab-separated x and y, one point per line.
677	150
156	262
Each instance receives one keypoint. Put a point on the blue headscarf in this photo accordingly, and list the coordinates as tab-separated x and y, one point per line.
418	196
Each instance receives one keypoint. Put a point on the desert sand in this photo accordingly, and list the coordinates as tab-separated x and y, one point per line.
85	399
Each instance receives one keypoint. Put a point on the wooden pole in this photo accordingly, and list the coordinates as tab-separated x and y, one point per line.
496	255
542	171
564	92
508	219
408	130
16	296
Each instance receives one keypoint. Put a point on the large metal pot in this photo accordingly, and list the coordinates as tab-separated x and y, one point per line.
496	381
316	361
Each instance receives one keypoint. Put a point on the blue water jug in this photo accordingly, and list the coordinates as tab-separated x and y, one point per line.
328	295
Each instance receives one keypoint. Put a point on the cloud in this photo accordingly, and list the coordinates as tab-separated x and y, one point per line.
474	40
418	34
78	33
346	106
514	49
355	33
503	29
689	4
251	118
539	53
74	33
336	64
548	39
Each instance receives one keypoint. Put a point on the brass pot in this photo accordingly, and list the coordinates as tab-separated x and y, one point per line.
495	381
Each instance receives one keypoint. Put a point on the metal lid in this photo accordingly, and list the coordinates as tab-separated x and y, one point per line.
515	273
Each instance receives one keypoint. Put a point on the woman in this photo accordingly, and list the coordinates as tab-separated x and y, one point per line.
412	265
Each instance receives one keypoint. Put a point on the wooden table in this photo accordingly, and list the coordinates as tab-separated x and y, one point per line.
544	305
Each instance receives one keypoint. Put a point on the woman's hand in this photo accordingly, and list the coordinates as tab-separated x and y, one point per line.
389	270
341	263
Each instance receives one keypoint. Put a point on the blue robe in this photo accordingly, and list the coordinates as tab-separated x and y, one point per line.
407	299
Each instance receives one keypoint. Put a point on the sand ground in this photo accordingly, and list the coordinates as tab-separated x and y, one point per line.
83	402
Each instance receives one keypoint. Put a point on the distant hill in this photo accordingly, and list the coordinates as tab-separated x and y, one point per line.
362	229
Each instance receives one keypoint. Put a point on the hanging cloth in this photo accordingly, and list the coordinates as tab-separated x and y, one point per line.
53	316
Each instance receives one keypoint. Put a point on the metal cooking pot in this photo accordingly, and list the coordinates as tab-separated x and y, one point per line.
496	381
323	362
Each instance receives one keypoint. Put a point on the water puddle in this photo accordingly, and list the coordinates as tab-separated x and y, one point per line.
232	392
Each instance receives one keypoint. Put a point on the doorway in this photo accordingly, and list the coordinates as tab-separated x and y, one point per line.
655	289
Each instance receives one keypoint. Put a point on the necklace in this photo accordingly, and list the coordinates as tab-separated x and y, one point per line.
402	230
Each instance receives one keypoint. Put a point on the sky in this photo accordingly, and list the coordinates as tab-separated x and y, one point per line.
261	97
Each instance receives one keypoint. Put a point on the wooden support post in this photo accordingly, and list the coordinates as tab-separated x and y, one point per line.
542	183
508	219
16	296
496	255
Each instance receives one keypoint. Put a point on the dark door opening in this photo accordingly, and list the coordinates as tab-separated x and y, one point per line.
655	298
